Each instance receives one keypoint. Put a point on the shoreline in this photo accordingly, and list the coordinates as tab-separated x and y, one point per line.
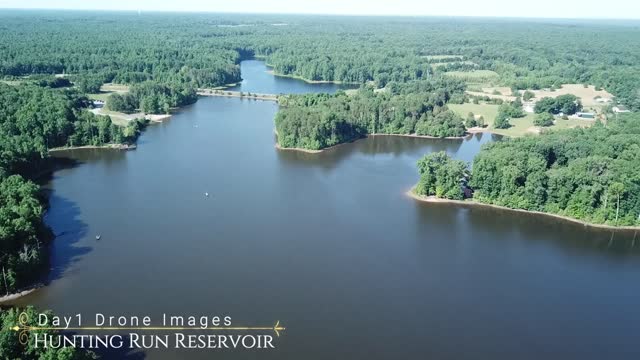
307	151
237	94
272	72
425	136
478	130
433	200
370	135
104	147
24	292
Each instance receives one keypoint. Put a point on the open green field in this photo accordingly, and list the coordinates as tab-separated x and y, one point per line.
474	76
520	126
108	89
443	57
464	62
11	82
100	96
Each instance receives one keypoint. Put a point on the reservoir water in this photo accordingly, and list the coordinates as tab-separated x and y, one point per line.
330	245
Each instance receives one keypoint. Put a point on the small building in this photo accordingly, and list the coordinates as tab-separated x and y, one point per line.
620	109
586	115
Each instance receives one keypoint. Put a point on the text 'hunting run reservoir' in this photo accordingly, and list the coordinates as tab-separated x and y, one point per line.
329	244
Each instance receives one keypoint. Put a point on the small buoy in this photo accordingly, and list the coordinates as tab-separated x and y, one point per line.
206	194
97	237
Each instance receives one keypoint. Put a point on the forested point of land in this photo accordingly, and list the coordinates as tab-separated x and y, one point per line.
318	121
588	174
34	119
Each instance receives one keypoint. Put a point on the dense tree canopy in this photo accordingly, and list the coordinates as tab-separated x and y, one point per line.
33	120
567	104
317	121
204	50
153	98
588	174
442	176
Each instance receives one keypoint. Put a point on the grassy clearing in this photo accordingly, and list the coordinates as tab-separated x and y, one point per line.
99	96
520	126
474	75
108	89
11	82
442	57
465	62
587	94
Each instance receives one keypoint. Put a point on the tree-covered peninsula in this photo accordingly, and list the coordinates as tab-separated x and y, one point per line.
33	120
586	174
318	121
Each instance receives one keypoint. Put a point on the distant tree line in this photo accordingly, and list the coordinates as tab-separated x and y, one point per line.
203	51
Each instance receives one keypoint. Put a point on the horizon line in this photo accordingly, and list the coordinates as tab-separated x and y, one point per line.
320	14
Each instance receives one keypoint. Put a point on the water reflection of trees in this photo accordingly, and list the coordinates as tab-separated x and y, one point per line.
489	224
373	145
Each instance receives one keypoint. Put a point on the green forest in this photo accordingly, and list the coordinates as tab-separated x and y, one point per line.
588	174
317	121
33	120
152	98
204	50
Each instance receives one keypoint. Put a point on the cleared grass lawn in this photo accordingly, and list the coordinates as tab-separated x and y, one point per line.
108	89
11	82
474	75
519	127
442	57
587	94
465	62
99	96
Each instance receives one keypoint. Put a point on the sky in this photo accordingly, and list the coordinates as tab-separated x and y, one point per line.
609	9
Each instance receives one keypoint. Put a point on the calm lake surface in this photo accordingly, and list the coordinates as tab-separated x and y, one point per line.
330	245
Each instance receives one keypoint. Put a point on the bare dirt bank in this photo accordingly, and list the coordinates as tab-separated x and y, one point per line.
20	293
